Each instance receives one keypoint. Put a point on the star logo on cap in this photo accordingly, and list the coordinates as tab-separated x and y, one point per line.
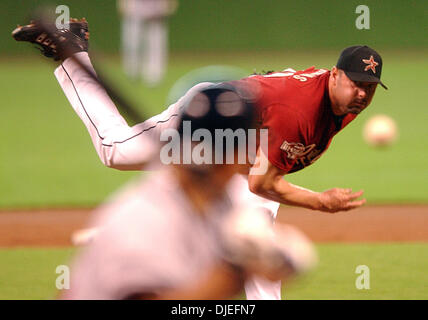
371	64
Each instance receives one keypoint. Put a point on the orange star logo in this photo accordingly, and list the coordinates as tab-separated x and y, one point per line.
371	64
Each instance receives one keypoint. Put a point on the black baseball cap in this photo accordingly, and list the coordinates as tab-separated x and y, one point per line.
361	63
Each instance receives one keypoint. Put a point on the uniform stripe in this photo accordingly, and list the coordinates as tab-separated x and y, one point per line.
83	106
93	124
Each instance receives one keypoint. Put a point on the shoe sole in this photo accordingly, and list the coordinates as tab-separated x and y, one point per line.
31	32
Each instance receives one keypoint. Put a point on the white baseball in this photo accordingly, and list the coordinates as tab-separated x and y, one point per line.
380	130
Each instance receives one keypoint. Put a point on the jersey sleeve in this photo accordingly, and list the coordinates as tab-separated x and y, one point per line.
286	132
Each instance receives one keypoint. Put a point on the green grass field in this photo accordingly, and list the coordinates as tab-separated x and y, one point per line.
48	161
397	271
48	158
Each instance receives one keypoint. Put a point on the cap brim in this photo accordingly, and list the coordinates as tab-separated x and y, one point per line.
356	76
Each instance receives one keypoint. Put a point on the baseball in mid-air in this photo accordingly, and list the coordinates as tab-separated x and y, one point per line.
380	130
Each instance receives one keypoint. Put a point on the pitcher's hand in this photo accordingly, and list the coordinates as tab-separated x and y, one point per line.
337	199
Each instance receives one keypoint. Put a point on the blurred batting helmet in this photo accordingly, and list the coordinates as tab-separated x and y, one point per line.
219	106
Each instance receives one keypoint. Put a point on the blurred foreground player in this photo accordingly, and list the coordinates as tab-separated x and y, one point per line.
302	110
177	234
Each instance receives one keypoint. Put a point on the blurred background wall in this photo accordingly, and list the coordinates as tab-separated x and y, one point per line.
245	24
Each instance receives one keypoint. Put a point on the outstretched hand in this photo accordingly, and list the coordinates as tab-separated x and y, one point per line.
337	199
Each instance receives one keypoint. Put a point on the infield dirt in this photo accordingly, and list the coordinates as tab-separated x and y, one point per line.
389	223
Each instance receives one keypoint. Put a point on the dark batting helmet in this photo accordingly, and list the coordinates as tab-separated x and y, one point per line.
219	106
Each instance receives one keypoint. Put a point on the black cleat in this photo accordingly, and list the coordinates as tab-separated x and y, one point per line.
55	43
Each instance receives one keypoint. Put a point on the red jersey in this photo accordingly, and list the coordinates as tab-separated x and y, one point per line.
295	108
